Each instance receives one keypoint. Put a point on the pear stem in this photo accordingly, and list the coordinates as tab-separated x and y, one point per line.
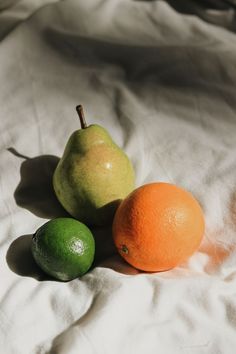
80	112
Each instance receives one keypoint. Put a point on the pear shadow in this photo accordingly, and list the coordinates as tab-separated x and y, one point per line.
105	214
20	260
35	190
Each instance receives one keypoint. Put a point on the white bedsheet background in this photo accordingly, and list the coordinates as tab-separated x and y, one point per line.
163	84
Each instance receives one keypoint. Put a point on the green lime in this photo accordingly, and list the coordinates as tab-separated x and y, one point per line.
64	248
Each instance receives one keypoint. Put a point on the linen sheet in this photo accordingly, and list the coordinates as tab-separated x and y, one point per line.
161	78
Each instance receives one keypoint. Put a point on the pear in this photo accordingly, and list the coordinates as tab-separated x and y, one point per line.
93	175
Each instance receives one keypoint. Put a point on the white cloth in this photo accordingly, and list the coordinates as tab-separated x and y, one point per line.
163	84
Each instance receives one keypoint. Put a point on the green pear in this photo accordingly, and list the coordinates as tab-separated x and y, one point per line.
93	175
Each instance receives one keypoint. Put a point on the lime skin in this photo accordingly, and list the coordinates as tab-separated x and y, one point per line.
63	248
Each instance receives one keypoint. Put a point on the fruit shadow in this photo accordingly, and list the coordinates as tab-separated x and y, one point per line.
20	260
34	193
35	190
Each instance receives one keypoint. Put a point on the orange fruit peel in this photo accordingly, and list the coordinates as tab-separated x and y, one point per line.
158	226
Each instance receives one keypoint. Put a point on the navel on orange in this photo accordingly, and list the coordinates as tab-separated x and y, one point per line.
158	226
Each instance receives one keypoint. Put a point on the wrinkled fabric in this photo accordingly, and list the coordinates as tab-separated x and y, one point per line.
162	82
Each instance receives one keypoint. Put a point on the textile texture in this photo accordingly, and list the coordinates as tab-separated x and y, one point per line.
161	79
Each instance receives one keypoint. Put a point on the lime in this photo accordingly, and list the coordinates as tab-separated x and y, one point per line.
63	248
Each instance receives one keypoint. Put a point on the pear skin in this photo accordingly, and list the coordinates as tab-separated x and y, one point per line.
93	175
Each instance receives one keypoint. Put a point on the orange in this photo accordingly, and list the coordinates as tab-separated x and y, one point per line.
158	226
